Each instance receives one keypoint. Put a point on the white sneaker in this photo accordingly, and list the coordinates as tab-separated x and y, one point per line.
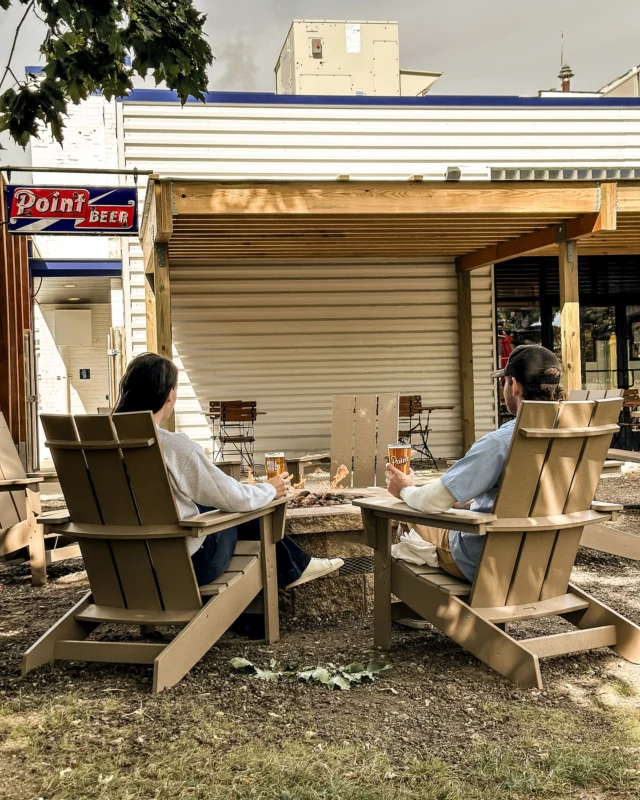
318	568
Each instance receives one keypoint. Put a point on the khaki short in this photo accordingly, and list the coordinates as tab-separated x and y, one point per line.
440	538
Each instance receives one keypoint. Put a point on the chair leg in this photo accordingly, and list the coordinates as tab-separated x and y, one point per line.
67	627
598	614
204	630
269	576
382	578
37	559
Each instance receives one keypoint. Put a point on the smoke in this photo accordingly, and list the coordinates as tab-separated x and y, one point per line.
235	68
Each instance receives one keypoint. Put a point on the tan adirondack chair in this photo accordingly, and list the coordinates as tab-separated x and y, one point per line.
122	512
19	508
544	502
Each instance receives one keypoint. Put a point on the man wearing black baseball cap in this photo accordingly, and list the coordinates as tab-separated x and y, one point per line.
531	373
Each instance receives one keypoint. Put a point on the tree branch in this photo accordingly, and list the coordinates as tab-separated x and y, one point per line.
15	40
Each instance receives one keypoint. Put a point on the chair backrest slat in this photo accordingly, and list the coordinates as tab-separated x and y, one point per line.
342	431
71	469
364	439
135	571
146	469
107	471
174	574
102	572
525	461
388	412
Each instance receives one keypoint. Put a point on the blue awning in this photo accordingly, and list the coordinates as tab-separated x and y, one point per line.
75	268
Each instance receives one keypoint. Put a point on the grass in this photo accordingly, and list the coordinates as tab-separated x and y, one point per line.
73	748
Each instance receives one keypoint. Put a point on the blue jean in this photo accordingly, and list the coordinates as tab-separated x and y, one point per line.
213	557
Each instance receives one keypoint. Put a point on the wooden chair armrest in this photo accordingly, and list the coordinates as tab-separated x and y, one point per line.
599	505
612	509
556	522
16	483
59	517
624	455
215	521
455	519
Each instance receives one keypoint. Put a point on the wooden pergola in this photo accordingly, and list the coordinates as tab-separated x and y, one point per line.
477	223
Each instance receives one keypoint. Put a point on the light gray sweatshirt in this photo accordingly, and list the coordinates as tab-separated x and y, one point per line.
195	479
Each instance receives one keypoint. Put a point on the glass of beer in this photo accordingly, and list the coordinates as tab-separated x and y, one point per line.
400	457
275	464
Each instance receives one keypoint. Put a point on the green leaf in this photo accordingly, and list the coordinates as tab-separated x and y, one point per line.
355	668
377	666
242	665
321	675
340	682
267	675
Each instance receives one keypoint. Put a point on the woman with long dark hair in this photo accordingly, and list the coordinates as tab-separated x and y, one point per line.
151	384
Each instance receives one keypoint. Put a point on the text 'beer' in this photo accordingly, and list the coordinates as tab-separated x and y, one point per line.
275	464
400	457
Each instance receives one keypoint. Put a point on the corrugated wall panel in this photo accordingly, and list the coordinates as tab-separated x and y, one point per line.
292	335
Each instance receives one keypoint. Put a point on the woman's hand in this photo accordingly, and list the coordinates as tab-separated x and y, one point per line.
397	480
280	483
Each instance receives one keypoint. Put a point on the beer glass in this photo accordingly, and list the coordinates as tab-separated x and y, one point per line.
400	457
275	464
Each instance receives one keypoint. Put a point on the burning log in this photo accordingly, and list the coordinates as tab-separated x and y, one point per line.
306	499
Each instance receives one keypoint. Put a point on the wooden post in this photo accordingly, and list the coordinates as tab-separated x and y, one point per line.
465	344
570	317
163	301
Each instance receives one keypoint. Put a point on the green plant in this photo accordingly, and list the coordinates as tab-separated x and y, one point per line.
332	676
99	45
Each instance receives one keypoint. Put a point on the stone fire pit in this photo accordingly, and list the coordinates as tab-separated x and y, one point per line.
331	530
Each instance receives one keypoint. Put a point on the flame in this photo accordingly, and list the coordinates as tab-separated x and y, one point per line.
250	479
340	475
299	485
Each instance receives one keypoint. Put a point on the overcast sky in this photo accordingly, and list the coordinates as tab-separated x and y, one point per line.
481	46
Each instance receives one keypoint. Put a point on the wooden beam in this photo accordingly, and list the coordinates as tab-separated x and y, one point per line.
570	317
465	345
602	220
155	234
384	197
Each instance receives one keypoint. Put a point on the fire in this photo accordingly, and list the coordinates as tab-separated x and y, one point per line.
250	479
299	485
340	475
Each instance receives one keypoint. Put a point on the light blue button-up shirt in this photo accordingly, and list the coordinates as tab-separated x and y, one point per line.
477	477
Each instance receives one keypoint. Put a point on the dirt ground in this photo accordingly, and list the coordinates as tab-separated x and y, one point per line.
437	725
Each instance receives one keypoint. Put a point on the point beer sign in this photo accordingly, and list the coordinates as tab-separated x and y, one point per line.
109	211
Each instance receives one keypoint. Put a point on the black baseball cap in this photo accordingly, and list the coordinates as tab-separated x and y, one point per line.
531	364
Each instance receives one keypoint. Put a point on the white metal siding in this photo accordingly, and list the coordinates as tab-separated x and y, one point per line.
305	142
